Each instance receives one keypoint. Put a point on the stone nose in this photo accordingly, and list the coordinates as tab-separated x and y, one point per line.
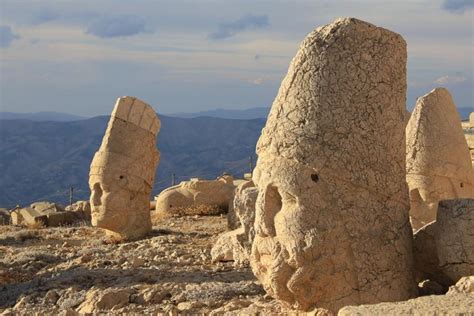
268	205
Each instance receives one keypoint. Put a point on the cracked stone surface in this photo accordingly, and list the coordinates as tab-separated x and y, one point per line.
236	245
123	170
444	249
438	160
332	225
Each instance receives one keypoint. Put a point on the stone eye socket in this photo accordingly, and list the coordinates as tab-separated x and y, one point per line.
97	195
315	177
272	205
121	177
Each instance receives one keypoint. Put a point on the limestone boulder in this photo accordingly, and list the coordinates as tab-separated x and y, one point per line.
444	249
438	160
194	193
331	222
122	171
236	245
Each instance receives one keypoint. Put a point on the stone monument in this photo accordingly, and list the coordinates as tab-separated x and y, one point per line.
438	160
123	170
331	222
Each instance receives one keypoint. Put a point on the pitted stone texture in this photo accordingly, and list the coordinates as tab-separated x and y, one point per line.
438	160
236	245
444	250
196	192
332	225
123	170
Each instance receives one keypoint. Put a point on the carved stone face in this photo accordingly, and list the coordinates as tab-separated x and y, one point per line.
123	170
115	203
331	218
293	224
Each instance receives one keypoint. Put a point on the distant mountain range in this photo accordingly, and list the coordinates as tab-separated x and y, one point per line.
246	114
41	116
41	160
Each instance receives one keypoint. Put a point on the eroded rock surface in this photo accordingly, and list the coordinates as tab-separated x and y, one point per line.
438	160
236	245
332	226
123	170
444	249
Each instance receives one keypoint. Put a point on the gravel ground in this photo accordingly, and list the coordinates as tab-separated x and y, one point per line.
69	270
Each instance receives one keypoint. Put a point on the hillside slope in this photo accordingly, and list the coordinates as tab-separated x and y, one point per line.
41	160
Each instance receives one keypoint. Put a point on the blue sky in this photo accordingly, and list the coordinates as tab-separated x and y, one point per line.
187	56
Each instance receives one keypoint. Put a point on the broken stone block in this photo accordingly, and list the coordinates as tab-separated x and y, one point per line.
438	160
444	249
331	222
123	170
32	217
16	218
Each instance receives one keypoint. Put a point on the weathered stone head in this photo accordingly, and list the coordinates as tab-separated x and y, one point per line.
332	225
438	160
123	170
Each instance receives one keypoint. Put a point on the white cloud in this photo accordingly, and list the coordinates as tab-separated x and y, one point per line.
450	79
256	81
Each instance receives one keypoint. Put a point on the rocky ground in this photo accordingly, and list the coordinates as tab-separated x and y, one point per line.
78	269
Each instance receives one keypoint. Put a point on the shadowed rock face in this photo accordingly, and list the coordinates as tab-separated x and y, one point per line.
123	170
438	160
444	249
332	226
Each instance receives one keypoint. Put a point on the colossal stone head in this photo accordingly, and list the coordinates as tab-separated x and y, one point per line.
438	159
123	170
332	225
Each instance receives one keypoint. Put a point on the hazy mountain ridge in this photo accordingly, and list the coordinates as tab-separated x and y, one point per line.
41	160
41	116
245	114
